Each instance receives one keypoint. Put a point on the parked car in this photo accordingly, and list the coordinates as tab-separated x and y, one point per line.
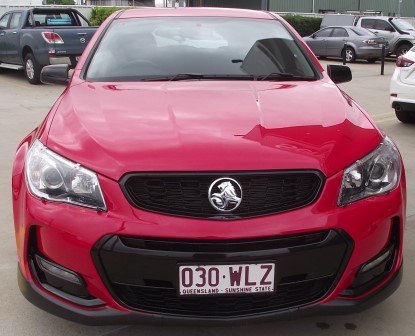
33	38
399	33
402	87
349	42
201	165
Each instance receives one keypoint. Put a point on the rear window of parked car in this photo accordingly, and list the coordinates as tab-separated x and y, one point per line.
362	31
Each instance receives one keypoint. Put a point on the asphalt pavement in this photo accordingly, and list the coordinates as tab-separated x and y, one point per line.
23	106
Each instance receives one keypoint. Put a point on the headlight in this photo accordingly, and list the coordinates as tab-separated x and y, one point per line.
52	177
375	174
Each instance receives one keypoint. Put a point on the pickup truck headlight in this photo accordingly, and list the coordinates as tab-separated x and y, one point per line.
54	178
375	174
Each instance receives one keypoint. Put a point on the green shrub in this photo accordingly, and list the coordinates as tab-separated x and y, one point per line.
304	25
99	14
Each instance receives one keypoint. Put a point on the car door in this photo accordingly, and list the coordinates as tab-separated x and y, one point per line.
4	24
317	42
11	38
335	42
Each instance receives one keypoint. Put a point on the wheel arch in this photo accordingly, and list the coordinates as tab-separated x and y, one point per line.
26	50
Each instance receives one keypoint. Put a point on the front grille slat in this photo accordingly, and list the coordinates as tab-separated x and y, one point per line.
186	194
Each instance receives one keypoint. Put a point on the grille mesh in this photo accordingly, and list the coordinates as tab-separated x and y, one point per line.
165	300
264	193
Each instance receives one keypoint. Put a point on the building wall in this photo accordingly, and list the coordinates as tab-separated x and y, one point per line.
84	10
249	4
388	7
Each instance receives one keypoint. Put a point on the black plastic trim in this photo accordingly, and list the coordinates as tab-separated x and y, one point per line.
113	276
409	107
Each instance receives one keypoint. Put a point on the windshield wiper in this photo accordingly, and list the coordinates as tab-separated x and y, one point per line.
276	75
187	76
184	76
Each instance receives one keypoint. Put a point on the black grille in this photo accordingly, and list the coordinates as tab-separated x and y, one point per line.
264	193
234	245
143	273
165	300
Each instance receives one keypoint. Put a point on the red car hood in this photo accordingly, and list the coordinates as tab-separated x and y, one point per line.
203	126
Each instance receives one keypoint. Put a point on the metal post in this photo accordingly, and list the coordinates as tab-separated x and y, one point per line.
399	8
344	54
382	64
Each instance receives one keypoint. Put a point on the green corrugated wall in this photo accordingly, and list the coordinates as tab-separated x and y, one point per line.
249	4
388	7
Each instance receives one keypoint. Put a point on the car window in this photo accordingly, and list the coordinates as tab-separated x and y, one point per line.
54	19
362	31
15	21
324	32
383	25
143	48
339	32
368	23
4	21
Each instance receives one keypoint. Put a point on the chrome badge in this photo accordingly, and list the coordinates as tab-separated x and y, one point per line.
225	194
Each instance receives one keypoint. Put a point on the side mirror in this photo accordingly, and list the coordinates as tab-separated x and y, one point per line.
339	73
55	74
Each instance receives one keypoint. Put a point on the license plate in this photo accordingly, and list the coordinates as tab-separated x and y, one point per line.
226	279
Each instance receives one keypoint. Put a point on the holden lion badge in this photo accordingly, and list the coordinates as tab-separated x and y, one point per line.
225	194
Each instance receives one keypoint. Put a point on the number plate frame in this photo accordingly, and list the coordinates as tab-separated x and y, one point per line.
226	279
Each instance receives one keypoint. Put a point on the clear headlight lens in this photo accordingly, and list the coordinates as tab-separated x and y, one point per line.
52	177
375	174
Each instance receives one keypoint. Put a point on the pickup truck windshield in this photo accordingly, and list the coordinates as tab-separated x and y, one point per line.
180	48
403	25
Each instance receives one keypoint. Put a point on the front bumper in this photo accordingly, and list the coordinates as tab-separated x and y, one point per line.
107	315
85	242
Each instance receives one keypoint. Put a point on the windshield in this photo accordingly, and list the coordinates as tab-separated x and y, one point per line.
198	48
403	25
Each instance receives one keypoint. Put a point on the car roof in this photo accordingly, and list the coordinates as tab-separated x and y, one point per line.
195	11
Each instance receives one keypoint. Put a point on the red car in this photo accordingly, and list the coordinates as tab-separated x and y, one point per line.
202	165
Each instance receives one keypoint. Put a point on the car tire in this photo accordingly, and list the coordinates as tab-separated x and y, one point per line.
406	117
349	54
32	69
402	49
372	60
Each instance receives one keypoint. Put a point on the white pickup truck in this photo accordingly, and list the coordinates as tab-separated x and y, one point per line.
399	33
